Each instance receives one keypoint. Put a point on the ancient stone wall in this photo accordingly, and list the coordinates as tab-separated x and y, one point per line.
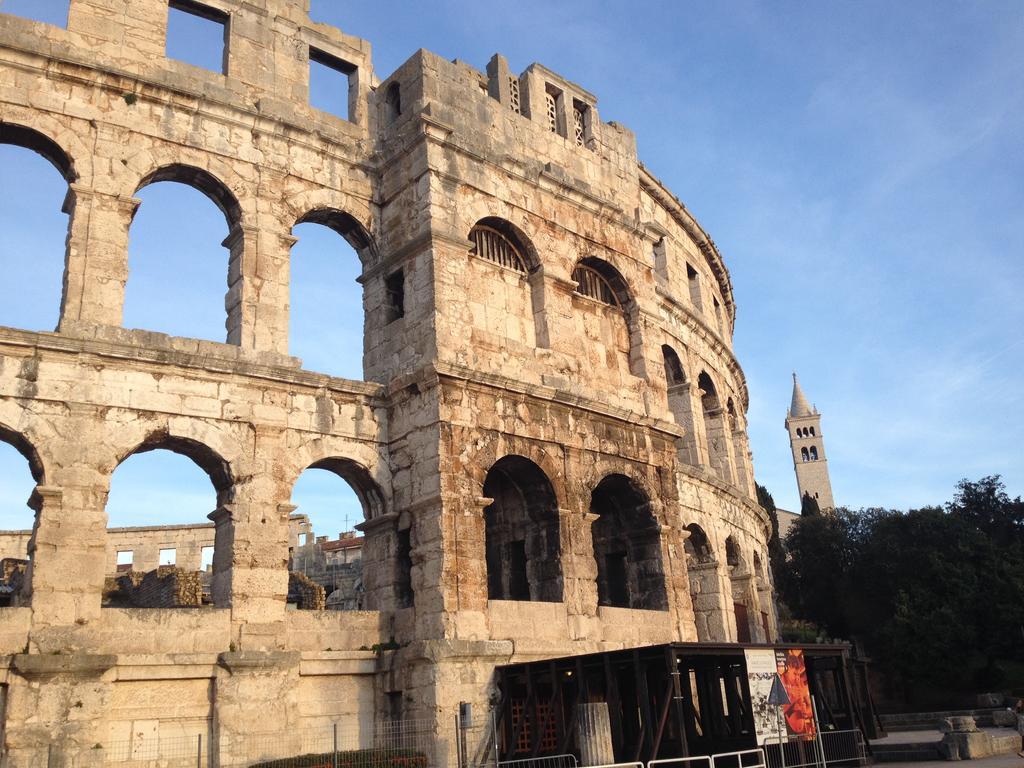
531	293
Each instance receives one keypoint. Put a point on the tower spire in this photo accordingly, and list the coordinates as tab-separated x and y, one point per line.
803	423
799	407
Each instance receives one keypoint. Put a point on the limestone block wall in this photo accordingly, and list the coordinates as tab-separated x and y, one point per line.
556	362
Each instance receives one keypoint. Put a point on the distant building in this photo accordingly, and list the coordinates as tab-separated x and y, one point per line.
803	423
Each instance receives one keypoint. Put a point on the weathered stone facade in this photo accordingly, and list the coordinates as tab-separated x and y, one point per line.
571	356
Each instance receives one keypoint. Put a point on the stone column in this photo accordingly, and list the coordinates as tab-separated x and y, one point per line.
240	302
379	550
96	269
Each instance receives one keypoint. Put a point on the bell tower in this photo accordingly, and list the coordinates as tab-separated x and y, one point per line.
804	426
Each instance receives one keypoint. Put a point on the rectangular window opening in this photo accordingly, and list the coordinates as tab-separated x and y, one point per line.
552	97
691	276
394	288
206	559
198	35
330	83
168	556
125	559
579	123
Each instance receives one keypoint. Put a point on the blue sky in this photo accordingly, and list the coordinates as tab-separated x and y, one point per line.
859	165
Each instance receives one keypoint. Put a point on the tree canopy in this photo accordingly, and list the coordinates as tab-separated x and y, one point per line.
935	594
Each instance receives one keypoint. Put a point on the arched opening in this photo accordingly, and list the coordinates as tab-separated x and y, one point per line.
740	582
34	217
393	102
503	303
521	532
168	541
174	268
18	516
804	455
714	428
764	597
812	431
705	586
814	452
679	404
326	322
739	445
608	322
332	564
627	546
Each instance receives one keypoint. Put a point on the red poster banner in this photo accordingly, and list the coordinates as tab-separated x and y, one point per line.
799	713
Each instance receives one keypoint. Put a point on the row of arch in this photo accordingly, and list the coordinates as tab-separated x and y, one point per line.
724	448
809	454
805	431
522	544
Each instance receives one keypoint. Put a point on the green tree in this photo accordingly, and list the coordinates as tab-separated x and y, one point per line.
776	552
809	506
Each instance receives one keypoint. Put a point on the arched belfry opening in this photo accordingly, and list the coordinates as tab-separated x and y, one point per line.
171	266
35	221
169	534
521	529
344	551
627	546
19	516
326	325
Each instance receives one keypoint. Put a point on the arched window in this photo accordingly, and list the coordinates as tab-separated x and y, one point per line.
674	374
35	226
326	322
627	546
172	267
732	553
17	518
592	284
714	427
523	549
814	453
812	431
494	241
697	547
393	102
334	567
804	455
166	542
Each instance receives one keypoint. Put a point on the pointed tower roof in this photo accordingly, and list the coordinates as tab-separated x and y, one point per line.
799	406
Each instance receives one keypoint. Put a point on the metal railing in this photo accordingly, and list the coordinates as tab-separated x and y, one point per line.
744	758
827	749
698	761
552	761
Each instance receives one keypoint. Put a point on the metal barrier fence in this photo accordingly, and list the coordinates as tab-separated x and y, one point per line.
700	761
744	758
552	761
829	749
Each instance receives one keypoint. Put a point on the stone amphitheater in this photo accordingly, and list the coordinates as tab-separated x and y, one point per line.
549	444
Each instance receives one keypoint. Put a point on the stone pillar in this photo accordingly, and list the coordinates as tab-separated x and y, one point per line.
223	545
579	568
379	550
677	582
96	269
69	559
594	734
257	706
65	696
240	302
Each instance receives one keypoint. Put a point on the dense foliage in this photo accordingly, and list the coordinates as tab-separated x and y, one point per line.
935	594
